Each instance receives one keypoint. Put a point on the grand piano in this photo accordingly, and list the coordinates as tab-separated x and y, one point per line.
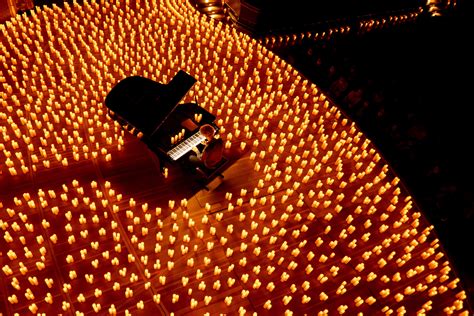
152	111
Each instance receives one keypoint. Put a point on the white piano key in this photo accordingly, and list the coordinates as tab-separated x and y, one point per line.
185	146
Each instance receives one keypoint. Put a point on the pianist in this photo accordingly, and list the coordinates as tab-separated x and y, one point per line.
212	147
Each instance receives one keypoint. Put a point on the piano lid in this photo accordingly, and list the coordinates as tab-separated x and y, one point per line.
173	124
145	103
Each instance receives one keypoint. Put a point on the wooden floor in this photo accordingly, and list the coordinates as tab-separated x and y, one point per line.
307	219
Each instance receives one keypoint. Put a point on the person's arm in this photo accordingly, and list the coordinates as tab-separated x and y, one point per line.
198	153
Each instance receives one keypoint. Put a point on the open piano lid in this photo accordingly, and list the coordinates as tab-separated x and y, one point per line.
145	104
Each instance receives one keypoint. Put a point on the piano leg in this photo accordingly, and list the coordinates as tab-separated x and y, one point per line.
162	166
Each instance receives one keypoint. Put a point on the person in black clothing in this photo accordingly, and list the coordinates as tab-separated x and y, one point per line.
212	148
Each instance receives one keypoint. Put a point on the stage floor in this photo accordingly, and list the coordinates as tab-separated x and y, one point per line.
307	219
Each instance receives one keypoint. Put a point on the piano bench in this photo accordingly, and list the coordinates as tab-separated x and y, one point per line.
208	174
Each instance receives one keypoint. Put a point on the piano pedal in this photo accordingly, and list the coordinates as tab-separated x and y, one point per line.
164	172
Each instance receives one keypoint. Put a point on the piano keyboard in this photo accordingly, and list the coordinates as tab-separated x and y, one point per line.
185	146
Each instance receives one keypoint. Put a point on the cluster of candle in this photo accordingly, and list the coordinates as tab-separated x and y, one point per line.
271	248
176	138
50	116
364	25
324	228
389	21
438	8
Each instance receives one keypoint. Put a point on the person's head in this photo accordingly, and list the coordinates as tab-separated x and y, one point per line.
207	131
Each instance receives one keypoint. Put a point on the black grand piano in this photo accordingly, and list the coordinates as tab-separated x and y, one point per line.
152	111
